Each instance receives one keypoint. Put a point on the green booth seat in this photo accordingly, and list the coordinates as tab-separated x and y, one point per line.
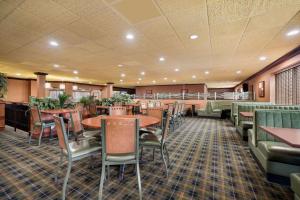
244	123
234	108
277	159
214	108
295	185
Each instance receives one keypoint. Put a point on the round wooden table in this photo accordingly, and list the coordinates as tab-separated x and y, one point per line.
95	122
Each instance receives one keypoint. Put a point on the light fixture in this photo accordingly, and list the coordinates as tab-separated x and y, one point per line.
293	32
47	85
121	80
176	70
90	82
238	71
161	59
263	58
120	65
62	86
53	43
76	77
165	78
154	81
56	65
206	72
18	74
139	79
193	37
75	72
194	76
129	36
174	81
143	73
123	75
75	87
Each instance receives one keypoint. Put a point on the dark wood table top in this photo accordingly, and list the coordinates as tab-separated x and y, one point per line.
95	122
290	136
247	114
58	111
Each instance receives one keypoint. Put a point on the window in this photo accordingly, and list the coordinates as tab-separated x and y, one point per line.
288	86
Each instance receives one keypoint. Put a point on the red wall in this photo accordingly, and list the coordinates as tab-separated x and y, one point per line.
269	78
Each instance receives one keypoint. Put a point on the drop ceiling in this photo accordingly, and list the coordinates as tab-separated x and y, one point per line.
91	34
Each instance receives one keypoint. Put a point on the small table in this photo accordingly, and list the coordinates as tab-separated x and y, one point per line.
290	136
247	114
95	122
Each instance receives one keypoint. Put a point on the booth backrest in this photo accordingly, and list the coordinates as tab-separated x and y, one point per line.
220	104
274	118
234	106
252	108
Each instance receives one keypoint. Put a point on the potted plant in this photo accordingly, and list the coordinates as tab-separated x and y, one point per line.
64	101
3	85
86	102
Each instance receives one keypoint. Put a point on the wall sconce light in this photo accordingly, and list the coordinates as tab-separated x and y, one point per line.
62	86
47	85
75	87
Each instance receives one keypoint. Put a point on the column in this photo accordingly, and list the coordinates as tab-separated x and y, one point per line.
40	82
109	89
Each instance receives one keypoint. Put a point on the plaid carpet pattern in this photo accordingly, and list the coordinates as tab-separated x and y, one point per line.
208	161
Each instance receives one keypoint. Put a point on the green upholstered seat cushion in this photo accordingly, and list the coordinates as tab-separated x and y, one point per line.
150	140
120	157
280	152
83	147
155	131
216	110
295	183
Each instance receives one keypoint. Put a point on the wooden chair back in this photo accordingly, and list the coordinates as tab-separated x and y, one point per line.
76	122
117	110
61	133
119	136
156	112
35	114
166	127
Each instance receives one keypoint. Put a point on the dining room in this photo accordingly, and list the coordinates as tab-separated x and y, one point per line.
149	99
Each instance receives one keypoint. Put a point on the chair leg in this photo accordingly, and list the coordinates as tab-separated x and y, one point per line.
164	160
66	180
41	134
108	170
167	152
141	158
101	181
139	179
153	156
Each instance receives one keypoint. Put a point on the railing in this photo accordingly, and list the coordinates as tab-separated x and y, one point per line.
198	96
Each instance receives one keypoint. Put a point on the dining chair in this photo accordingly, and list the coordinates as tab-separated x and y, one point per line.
93	110
72	151
120	146
39	122
157	129
149	140
78	129
117	110
174	116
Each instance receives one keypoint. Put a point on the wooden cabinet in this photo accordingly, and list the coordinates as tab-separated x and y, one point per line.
2	115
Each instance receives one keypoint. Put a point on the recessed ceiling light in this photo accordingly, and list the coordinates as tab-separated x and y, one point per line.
18	74
165	78
194	76
176	70
120	65
138	82
121	80
174	81
153	81
263	58
56	65
90	82
53	43
293	32
75	72
238	71
139	79
193	37
143	73
123	75
161	59
129	36
75	87
206	72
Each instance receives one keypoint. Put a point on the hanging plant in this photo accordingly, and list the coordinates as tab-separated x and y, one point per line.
3	85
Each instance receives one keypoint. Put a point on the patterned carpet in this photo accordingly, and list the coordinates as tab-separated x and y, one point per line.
208	161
